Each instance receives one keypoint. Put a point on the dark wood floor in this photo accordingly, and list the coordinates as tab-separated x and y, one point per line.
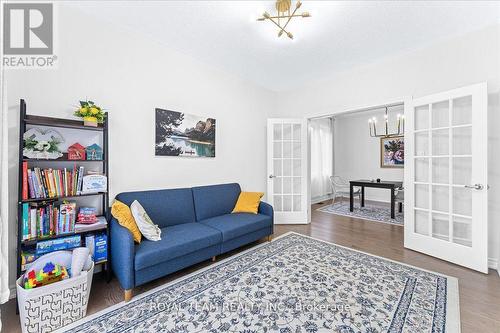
479	293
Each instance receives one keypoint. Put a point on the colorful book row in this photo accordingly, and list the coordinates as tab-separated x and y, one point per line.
51	183
48	220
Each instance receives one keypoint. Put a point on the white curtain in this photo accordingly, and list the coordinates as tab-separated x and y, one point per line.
4	230
321	157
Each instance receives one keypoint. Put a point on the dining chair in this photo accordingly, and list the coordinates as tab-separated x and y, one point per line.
400	197
340	188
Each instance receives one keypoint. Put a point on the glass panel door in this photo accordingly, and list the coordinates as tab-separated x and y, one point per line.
287	169
447	176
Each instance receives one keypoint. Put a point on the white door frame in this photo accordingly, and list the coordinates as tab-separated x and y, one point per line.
405	100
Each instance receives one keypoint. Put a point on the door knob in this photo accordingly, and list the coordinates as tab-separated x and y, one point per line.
475	186
272	176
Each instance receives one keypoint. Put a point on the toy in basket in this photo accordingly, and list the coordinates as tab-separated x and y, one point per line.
61	277
50	273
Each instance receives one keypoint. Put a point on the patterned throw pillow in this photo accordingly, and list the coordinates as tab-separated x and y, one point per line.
148	229
123	215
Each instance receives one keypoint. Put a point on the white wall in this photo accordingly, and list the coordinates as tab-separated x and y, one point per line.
130	75
357	155
465	60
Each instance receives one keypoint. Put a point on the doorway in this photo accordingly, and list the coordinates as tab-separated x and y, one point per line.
345	149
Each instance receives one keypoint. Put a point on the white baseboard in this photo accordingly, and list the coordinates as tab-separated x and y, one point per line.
321	198
12	292
493	264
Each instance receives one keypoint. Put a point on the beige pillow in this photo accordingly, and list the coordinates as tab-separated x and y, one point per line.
148	229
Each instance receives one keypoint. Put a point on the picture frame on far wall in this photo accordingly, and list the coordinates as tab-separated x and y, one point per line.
392	153
183	134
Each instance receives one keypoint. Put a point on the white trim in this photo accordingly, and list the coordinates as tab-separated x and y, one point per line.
325	197
493	264
365	107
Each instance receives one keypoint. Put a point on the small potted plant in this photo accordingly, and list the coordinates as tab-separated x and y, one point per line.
91	113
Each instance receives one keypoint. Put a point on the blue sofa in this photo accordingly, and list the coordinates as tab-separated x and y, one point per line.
196	225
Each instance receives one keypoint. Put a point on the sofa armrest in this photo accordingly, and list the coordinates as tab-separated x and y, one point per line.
122	255
267	209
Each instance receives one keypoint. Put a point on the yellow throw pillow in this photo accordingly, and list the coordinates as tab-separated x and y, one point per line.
248	202
122	213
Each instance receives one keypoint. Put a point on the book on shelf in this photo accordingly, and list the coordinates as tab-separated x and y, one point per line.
44	220
59	244
51	183
98	246
27	257
25	181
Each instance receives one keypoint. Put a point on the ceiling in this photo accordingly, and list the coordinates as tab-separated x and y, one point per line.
339	35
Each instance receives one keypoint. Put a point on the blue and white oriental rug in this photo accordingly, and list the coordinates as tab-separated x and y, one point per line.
370	213
294	284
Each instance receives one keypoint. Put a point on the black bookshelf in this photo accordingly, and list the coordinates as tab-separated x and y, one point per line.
26	120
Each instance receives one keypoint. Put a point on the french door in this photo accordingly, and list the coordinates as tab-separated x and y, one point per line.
287	170
446	209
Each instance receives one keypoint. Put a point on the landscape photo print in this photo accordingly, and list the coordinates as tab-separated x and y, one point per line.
183	134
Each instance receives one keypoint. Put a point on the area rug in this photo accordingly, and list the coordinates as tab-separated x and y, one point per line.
293	284
370	213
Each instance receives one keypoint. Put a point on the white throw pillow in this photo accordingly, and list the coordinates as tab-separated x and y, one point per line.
146	226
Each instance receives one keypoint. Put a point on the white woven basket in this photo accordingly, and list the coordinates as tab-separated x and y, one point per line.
53	306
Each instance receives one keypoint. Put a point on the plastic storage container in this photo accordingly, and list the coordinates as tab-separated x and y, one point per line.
53	306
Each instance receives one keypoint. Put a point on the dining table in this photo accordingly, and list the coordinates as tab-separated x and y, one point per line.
390	185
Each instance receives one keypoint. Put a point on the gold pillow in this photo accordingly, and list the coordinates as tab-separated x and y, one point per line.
248	202
122	213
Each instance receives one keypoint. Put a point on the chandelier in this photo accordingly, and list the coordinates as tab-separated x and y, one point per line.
400	125
284	15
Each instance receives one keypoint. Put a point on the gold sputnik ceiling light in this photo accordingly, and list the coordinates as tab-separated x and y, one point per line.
284	16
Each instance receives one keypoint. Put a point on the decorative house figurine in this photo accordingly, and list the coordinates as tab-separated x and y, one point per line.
94	152
76	152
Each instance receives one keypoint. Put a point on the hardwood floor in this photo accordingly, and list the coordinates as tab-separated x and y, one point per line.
479	293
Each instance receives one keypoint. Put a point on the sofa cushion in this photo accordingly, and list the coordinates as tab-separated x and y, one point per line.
164	207
215	200
237	224
176	241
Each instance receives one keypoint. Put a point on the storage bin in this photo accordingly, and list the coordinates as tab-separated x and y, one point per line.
53	306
